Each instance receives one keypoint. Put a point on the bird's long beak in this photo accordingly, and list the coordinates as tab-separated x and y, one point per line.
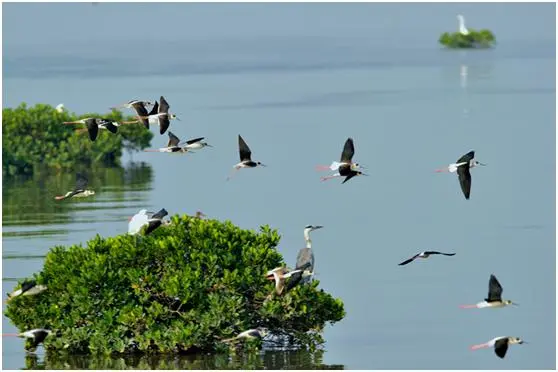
515	304
317	227
364	174
263	165
208	145
484	165
177	118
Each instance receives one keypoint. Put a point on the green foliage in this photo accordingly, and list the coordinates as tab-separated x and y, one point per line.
183	288
35	140
474	39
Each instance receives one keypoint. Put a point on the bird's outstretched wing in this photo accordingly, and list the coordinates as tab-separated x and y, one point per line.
243	149
92	129
159	215
464	176
110	126
494	289
501	347
81	182
155	109
467	157
436	252
163	105
408	260
173	140
189	142
348	151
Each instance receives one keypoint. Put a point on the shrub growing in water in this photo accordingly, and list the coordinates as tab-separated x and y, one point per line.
474	39
183	288
34	139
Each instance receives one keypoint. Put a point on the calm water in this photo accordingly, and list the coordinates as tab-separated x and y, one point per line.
296	80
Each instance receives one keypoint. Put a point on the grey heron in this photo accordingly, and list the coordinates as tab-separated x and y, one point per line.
305	257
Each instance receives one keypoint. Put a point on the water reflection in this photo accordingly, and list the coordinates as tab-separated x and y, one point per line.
267	360
28	202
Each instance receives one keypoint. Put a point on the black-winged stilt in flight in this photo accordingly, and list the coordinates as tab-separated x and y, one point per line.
463	166
142	115
346	158
37	336
494	298
346	168
195	144
172	146
500	344
245	157
28	288
94	124
80	191
162	117
424	254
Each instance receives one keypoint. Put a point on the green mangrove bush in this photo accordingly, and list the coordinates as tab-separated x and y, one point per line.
34	139
184	288
474	39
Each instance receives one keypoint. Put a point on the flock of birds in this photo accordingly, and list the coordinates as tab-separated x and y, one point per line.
285	278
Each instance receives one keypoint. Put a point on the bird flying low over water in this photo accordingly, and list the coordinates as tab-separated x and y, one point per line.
462	167
346	168
28	288
37	336
500	344
80	191
161	117
172	146
245	157
424	254
143	116
94	124
494	298
259	332
346	158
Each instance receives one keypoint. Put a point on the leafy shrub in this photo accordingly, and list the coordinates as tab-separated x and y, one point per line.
183	288
34	139
474	39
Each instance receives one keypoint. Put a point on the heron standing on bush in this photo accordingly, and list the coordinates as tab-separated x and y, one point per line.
305	257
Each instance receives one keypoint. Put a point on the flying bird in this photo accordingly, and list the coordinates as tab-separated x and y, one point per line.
92	125
37	336
463	166
80	191
143	116
346	168
346	158
28	288
172	146
425	254
245	157
494	298
500	345
161	117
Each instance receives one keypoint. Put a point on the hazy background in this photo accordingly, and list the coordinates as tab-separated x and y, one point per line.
296	80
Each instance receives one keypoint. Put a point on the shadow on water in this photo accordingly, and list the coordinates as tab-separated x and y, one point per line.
267	360
30	201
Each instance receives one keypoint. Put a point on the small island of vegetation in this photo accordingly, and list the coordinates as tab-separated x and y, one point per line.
467	38
185	288
34	140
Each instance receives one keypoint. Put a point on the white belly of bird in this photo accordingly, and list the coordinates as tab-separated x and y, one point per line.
194	146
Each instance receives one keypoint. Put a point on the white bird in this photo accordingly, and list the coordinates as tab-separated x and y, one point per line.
462	29
280	274
259	332
138	221
60	108
28	288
